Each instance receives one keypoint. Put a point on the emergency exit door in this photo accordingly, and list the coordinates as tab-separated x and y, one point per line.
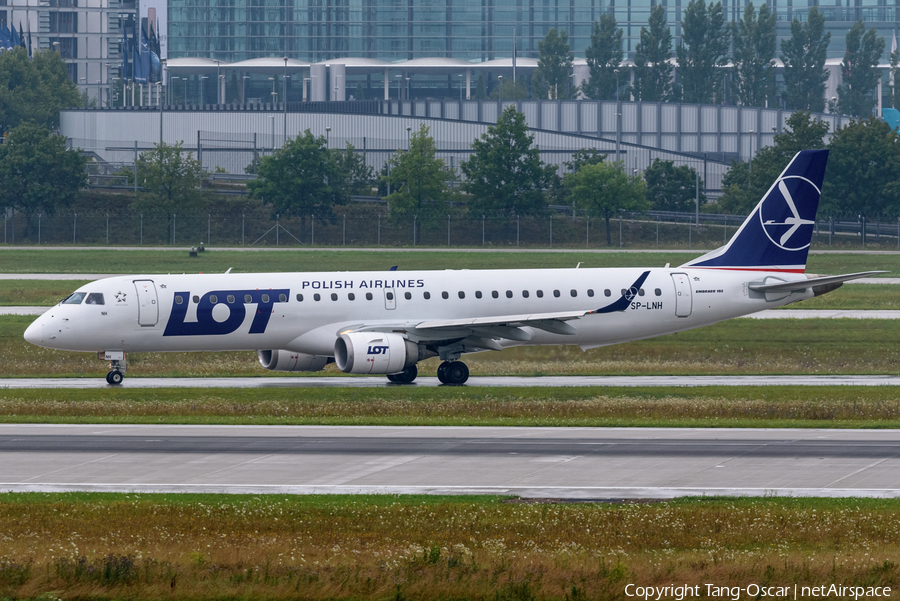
148	307
683	299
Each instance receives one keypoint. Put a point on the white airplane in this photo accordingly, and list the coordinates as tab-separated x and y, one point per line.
386	322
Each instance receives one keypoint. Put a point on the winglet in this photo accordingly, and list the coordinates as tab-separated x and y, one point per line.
622	303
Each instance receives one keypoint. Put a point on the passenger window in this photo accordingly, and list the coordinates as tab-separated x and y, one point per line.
427	295
478	294
461	294
641	292
509	294
590	292
658	292
333	296
282	298
495	294
94	298
247	298
524	294
389	296
574	293
444	295
265	298
230	298
407	295
556	293
540	293
178	299
607	292
351	296
196	299
300	298
368	296
213	298
317	297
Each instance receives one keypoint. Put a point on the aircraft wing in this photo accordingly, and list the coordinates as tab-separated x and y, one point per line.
811	282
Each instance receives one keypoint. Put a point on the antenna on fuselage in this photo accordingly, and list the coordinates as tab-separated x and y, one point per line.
579	264
228	270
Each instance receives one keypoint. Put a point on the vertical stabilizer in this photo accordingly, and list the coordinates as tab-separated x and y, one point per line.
776	235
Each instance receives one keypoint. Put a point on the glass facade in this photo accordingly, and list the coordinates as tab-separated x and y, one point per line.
472	30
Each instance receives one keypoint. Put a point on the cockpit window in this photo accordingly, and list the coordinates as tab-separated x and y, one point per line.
94	298
75	299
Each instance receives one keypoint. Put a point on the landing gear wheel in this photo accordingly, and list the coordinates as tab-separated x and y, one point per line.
406	376
453	372
115	378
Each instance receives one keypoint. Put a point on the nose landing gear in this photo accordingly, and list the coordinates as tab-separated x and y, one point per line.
453	372
116	366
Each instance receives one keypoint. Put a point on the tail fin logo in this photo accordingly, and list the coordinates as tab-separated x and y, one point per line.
779	216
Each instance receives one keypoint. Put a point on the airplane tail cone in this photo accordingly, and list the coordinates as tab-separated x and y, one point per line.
776	235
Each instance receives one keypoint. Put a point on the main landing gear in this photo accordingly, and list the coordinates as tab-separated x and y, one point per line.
406	376
453	372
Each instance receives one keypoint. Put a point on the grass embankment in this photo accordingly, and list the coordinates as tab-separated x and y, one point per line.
45	293
177	261
740	346
722	407
106	546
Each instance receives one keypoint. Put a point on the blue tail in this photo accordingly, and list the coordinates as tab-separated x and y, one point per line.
776	235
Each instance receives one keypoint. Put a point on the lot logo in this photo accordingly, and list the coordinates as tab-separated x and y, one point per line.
377	350
782	221
262	301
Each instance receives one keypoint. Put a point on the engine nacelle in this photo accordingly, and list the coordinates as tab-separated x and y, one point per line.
291	361
374	353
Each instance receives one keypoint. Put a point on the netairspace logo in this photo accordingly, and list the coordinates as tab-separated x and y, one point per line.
755	591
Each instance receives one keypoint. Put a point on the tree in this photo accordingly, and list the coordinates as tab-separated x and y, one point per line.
863	173
604	56
234	90
419	180
37	172
754	55
603	189
804	57
480	93
860	71
359	94
551	78
355	176
652	70
505	173
585	156
507	90
705	40
300	178
671	188
743	186
895	78
170	179
34	89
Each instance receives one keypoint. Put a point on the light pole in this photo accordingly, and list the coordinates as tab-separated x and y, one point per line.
218	82
244	89
184	90
220	92
327	135
500	93
83	85
618	118
201	88
305	79
750	162
274	93
408	130
407	89
399	88
159	102
272	121
460	86
171	91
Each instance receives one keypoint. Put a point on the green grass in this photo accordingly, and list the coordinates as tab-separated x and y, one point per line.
198	547
738	346
723	407
177	261
40	293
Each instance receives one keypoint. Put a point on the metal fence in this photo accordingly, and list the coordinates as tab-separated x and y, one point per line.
374	227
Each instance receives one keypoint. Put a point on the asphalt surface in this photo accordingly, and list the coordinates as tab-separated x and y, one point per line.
578	463
318	381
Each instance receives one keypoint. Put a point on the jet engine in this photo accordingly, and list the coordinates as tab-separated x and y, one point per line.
375	353
290	361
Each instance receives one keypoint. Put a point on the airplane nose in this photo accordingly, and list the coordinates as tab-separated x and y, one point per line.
35	333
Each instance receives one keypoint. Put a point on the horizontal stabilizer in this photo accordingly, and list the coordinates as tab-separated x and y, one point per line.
811	282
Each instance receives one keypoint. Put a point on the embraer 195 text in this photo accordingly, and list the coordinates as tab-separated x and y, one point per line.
386	322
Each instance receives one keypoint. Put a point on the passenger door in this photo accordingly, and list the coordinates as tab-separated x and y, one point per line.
148	308
683	300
